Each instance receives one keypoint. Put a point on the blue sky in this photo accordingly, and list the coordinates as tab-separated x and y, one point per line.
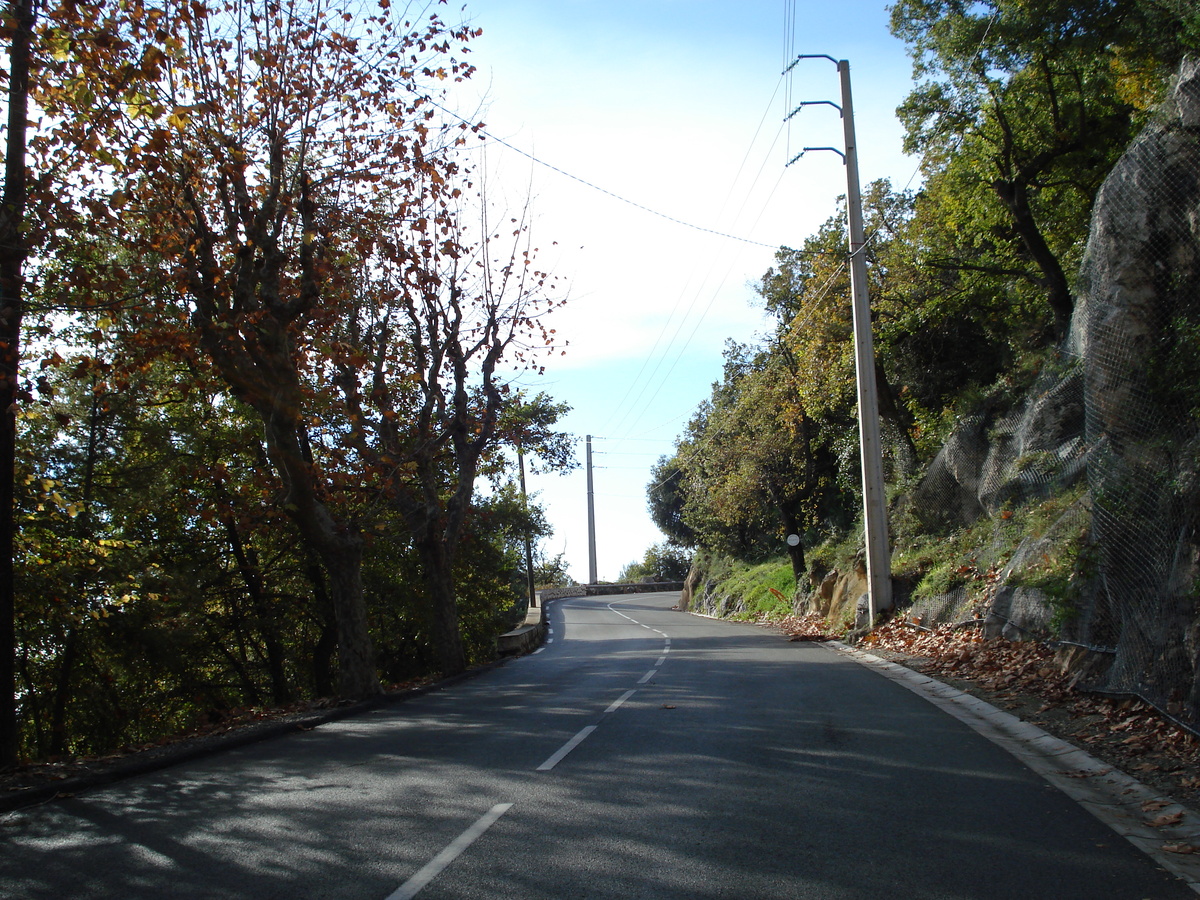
673	106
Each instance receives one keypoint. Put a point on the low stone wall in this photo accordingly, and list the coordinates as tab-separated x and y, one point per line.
525	636
558	593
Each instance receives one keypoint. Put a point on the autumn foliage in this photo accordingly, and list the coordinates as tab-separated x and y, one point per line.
272	325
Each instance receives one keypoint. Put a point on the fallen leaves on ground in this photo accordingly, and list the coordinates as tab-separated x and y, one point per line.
1167	820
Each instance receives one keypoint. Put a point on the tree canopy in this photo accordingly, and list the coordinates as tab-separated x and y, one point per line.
1018	112
271	324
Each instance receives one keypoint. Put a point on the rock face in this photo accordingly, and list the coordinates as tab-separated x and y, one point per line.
1007	454
837	596
1137	328
1118	413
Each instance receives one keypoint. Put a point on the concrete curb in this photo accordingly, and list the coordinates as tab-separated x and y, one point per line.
1112	796
187	750
525	636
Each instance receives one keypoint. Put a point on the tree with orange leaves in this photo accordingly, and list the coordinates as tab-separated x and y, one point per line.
240	151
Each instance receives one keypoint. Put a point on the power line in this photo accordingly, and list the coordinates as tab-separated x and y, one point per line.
660	359
596	187
597	437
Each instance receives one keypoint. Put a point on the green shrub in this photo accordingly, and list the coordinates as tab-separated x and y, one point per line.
766	591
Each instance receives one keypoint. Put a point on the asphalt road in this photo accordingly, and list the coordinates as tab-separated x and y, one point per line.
641	753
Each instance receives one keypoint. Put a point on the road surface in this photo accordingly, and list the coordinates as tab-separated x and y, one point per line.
641	753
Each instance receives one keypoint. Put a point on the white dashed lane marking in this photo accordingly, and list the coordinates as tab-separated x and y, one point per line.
434	867
566	748
583	734
616	704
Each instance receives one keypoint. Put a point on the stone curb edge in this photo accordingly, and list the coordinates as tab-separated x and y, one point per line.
1112	796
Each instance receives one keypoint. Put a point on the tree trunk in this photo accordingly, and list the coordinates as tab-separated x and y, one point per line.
252	578
62	694
795	552
342	557
1015	197
439	581
326	646
275	394
237	661
322	658
22	16
889	410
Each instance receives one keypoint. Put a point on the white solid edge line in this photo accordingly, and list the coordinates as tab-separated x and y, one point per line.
564	750
1109	794
616	704
434	867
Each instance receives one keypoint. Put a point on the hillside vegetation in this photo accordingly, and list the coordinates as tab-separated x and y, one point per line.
1036	307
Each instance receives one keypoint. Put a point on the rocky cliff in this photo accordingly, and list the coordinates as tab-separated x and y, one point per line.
1111	427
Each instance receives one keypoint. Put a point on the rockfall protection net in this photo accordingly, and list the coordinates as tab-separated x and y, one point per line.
1138	324
1112	432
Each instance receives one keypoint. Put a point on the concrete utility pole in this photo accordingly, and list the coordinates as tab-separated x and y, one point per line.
879	559
591	503
528	539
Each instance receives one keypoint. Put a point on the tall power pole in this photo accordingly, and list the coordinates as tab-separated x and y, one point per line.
879	560
528	539
591	506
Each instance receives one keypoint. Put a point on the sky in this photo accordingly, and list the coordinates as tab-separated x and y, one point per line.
647	138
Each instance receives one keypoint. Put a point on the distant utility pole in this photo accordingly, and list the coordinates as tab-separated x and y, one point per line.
591	503
528	527
879	559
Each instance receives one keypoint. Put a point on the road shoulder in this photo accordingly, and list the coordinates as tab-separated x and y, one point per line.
1163	829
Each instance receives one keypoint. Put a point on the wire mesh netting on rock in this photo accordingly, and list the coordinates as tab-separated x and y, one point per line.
1137	330
1090	479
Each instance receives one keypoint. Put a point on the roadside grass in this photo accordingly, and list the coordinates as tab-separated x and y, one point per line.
765	591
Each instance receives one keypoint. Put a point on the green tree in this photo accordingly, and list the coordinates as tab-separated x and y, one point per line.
417	365
666	500
755	465
809	289
251	166
223	186
1019	113
156	577
663	562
